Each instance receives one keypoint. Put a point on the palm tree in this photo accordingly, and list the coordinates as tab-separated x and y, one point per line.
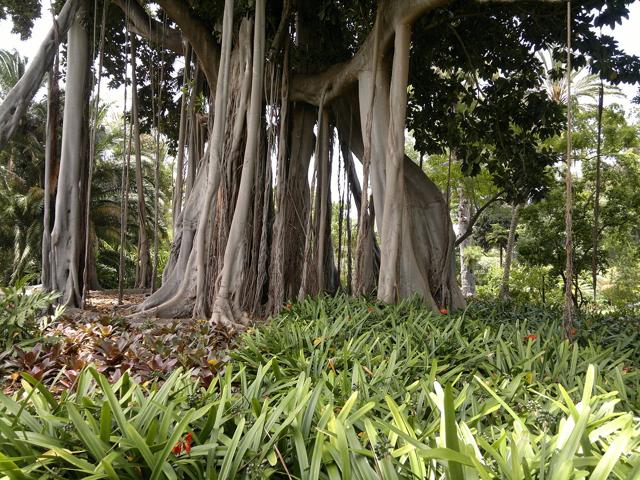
21	169
584	85
20	227
12	67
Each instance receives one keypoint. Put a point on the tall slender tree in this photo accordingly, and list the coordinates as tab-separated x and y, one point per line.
67	234
567	316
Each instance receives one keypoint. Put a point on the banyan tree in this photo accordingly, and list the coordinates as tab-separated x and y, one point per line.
277	97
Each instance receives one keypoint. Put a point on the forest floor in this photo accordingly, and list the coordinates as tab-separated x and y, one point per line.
104	336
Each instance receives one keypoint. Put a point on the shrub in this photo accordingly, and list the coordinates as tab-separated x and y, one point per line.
21	313
341	388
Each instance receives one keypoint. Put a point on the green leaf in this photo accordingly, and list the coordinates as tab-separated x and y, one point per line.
161	464
455	469
94	445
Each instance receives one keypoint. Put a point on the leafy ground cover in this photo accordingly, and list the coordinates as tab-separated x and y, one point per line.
55	350
343	388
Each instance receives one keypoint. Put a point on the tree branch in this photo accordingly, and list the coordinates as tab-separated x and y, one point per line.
336	79
141	24
339	77
282	28
16	102
476	217
195	31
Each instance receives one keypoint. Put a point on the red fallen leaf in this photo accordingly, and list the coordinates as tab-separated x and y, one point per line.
183	445
444	311
532	337
187	443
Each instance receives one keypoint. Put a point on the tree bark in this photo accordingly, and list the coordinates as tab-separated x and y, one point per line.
143	272
287	257
324	200
178	295
198	35
428	242
90	273
215	160
18	99
515	215
365	268
467	276
596	207
367	249
390	280
50	171
234	253
66	237
124	186
567	316
124	204
139	22
340	78
194	132
178	190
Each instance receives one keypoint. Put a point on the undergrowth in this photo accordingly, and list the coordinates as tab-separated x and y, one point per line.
21	315
342	388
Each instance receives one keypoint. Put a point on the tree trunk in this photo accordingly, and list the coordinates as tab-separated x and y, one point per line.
428	243
93	282
365	269
124	203
368	258
467	276
324	180
67	234
124	185
215	160
390	280
90	274
18	99
201	236
425	252
50	171
367	249
287	257
567	316
596	207
143	271
234	253
194	132
504	288
178	190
